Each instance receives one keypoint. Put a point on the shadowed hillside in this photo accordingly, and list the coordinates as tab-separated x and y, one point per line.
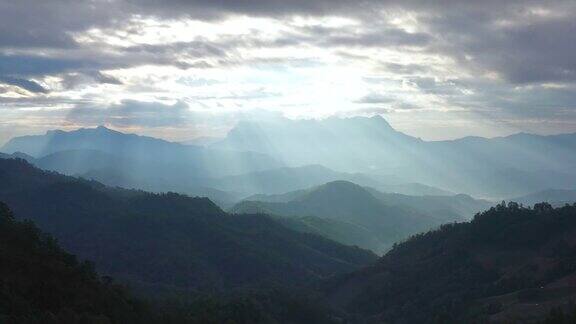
509	265
41	283
168	242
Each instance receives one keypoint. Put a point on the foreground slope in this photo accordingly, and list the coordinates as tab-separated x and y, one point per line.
41	283
509	264
169	241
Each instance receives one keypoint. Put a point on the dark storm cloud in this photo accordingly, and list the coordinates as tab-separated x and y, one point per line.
74	80
537	53
468	31
381	35
39	65
207	9
28	85
51	23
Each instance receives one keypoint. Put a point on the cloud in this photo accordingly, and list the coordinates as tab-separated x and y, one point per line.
510	59
131	113
28	85
376	98
74	80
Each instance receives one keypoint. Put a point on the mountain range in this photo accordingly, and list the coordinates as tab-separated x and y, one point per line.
487	167
129	152
168	242
355	215
309	205
271	157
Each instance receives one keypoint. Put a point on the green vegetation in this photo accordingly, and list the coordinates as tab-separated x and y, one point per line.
355	215
509	263
163	244
41	283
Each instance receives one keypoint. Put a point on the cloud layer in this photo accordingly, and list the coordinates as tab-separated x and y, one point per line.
433	67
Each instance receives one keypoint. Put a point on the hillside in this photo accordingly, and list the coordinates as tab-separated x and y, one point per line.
41	283
356	216
446	207
509	264
167	242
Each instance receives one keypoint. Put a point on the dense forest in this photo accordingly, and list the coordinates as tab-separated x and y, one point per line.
41	283
509	264
169	242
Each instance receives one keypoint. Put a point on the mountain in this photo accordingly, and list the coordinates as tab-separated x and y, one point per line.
488	167
151	155
141	162
510	264
555	197
348	213
342	144
281	180
17	155
202	141
169	242
130	173
277	180
41	283
462	206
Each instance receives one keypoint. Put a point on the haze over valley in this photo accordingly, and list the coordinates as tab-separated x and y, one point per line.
287	162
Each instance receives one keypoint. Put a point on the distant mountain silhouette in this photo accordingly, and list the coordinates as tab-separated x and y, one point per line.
128	172
496	168
362	216
556	197
275	156
508	265
461	206
17	155
151	154
169	242
202	141
342	144
140	162
281	180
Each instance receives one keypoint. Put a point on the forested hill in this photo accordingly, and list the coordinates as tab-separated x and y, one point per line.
40	283
510	264
169	242
355	215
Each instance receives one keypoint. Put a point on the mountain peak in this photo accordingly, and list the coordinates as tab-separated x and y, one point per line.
105	130
339	189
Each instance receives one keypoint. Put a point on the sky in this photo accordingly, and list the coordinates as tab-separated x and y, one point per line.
182	69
